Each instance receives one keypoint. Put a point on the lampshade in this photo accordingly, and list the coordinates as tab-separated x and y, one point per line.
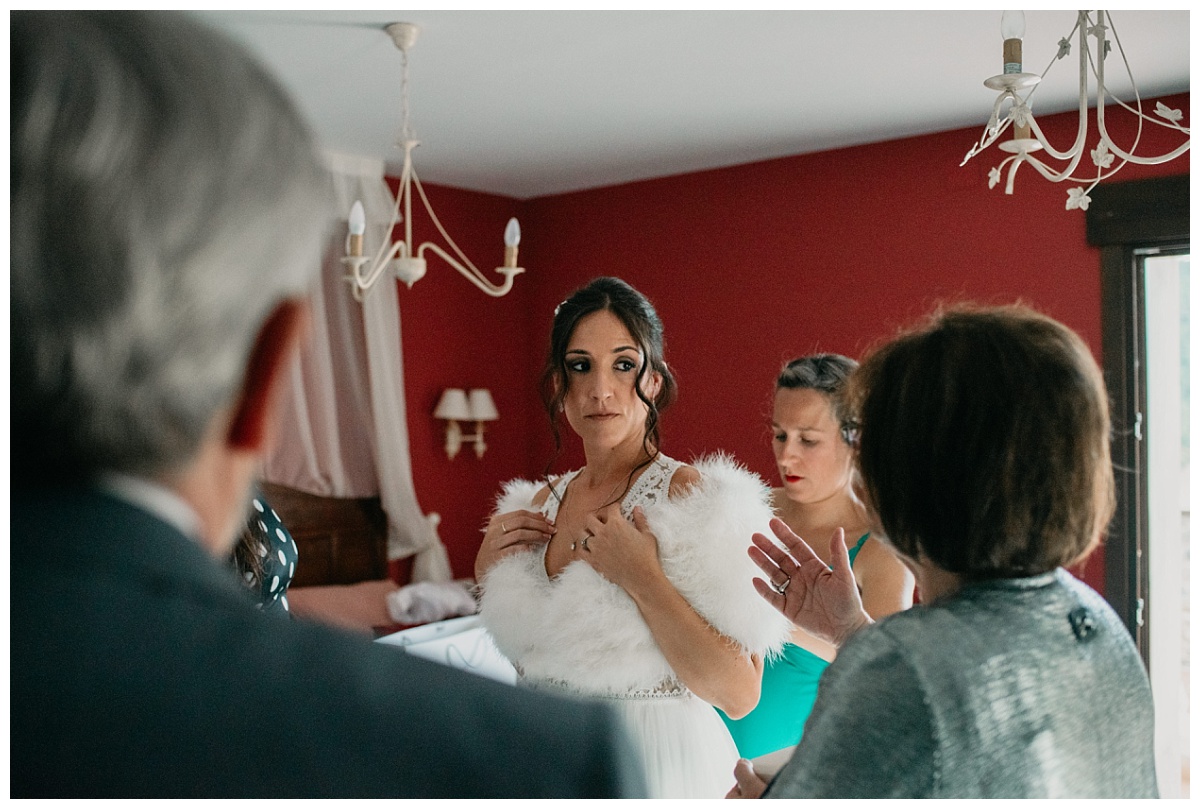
453	405
482	406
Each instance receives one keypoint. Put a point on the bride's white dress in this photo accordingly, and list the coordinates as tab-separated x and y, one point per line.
582	634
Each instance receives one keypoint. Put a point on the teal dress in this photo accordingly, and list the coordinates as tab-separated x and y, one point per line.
789	689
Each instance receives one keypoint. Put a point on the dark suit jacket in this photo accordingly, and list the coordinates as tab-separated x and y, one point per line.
140	668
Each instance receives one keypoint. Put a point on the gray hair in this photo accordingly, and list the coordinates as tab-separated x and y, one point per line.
165	197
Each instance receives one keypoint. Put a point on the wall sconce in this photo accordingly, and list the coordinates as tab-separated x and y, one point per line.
457	405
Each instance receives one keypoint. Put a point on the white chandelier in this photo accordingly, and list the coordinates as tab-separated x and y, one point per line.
1107	157
409	265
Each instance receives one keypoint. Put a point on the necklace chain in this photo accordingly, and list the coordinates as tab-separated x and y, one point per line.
607	500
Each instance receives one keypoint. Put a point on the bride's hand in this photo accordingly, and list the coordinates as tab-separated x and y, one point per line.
624	552
509	533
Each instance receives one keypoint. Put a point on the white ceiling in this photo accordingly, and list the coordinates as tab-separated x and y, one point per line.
531	103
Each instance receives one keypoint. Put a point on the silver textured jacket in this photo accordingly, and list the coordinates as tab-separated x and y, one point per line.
1019	688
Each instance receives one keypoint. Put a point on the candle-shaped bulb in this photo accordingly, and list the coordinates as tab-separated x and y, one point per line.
1012	29
512	238
1012	25
358	224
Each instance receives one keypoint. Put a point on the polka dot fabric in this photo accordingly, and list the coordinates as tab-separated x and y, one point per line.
278	553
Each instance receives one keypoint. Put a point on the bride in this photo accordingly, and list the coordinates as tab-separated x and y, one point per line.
628	579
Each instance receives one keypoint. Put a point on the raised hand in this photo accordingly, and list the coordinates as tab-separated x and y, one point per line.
508	533
823	601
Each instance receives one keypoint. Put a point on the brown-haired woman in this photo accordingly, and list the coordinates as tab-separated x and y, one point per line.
984	450
815	460
627	579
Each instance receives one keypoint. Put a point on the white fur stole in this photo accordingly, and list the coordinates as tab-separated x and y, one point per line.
583	630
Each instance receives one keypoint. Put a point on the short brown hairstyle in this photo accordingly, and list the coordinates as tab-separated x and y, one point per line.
984	442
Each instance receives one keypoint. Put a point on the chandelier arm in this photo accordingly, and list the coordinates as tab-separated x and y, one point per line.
1129	156
405	193
1106	141
472	274
1080	18
1073	154
1017	160
387	251
1150	119
1076	151
1151	161
1002	127
437	223
381	262
985	140
386	247
1050	174
1058	177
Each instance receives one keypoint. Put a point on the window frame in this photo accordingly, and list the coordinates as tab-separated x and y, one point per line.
1129	221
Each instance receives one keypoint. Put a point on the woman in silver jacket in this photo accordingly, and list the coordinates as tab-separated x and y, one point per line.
983	443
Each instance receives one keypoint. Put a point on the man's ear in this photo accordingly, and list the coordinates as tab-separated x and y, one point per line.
277	341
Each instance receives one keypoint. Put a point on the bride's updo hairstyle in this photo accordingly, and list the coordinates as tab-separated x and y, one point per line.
637	314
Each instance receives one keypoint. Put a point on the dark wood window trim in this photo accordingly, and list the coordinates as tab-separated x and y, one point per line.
1127	221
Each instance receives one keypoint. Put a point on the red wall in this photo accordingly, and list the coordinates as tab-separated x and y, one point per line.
453	335
748	267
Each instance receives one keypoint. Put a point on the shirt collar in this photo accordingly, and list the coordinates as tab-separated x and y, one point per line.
153	498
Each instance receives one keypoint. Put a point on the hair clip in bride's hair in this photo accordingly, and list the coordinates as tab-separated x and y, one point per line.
556	308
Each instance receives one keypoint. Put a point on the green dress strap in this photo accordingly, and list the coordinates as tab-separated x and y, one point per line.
854	551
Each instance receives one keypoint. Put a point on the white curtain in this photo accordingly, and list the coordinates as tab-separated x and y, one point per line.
344	430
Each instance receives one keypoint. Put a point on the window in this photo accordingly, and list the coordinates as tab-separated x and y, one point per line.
1142	229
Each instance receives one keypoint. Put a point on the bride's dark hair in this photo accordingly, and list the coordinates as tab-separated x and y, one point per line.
637	314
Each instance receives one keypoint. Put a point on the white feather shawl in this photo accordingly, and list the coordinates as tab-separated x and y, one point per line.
582	630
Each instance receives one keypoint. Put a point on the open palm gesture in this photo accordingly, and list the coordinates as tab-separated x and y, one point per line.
823	601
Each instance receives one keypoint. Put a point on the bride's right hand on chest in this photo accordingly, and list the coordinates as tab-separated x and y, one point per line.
510	533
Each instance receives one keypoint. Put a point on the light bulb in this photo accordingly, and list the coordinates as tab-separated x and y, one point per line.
1012	28
358	218
512	237
1012	25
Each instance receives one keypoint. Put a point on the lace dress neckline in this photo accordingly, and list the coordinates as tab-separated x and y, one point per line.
652	486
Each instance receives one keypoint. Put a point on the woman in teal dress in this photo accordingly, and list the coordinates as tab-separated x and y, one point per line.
813	452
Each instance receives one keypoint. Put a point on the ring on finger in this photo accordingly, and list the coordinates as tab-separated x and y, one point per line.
781	588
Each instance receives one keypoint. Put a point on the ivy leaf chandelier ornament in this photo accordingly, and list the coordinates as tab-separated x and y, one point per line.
1027	137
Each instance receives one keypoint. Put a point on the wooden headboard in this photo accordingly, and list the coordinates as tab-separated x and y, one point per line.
339	540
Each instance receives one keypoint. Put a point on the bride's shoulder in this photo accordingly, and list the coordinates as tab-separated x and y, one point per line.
543	494
716	473
682	481
518	494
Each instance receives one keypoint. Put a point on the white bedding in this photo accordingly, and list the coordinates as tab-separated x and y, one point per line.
461	643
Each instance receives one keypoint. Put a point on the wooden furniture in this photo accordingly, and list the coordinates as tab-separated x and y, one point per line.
339	540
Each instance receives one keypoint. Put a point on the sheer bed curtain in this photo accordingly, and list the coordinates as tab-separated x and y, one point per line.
343	430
